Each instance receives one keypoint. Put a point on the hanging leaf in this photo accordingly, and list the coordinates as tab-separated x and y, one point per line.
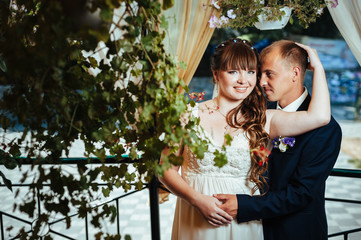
167	4
6	181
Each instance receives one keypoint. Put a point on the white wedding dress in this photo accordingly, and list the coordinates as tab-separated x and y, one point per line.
204	177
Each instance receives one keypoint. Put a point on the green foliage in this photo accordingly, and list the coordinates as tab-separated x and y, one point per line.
356	162
53	98
247	11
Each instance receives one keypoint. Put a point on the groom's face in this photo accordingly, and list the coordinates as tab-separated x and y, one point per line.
276	77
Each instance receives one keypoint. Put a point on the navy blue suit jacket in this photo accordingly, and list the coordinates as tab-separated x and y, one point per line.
294	206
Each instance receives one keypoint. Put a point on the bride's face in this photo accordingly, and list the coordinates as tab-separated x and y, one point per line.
236	85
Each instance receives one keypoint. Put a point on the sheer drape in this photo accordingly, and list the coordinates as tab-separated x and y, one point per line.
189	32
347	17
187	36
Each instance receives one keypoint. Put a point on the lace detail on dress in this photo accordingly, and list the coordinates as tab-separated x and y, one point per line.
238	156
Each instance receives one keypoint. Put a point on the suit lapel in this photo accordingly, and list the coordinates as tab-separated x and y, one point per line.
304	105
272	105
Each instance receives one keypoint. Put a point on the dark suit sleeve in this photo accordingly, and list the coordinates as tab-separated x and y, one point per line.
322	150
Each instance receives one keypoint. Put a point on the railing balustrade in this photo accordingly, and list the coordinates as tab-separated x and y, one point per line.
350	173
154	206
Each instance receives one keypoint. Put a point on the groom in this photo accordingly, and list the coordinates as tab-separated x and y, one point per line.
294	206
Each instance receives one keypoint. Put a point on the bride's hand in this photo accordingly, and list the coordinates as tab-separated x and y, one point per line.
229	203
209	207
314	60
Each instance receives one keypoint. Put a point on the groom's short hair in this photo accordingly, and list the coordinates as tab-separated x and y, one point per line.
290	52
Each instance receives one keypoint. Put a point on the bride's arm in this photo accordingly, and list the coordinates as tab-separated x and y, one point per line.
207	205
280	123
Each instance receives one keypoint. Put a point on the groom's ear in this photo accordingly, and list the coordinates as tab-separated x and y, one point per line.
296	73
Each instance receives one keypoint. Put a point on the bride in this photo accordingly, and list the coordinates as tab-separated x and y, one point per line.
240	111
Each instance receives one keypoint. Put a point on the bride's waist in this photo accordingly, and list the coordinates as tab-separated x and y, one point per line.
215	184
214	176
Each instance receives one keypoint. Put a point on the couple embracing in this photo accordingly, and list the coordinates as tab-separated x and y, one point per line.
282	199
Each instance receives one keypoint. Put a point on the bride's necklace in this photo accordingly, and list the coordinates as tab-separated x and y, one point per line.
216	108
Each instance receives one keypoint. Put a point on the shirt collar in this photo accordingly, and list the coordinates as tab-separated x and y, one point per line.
293	106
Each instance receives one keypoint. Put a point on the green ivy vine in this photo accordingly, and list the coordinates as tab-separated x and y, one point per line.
52	97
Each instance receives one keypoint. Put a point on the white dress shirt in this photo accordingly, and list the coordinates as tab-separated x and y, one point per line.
293	106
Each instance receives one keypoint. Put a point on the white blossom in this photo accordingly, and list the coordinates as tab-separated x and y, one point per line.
223	20
334	3
282	147
213	22
215	4
230	14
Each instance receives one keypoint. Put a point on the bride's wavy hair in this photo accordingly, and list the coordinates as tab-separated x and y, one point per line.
250	115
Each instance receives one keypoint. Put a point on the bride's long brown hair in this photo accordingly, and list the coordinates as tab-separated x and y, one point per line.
250	115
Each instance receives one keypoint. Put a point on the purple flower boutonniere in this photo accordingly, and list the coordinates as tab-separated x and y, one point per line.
283	143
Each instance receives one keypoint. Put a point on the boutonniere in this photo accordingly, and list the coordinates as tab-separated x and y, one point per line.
283	143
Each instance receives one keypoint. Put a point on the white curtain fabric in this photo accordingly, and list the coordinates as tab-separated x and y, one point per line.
347	17
187	36
189	33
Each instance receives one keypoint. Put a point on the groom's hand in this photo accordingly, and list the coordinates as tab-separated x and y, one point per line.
230	204
209	207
